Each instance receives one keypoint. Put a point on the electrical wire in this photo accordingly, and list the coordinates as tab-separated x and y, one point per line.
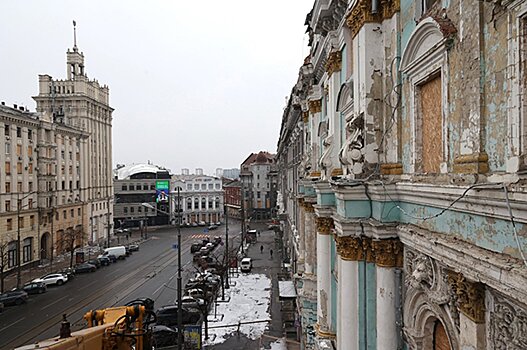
513	224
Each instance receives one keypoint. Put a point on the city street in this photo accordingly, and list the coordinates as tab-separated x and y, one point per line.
150	272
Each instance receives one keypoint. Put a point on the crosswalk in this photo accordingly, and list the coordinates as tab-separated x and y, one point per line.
200	236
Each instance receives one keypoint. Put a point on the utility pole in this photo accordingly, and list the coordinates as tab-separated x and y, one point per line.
243	217
228	262
179	304
108	222
18	267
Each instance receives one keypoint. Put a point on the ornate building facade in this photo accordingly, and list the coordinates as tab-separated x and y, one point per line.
401	165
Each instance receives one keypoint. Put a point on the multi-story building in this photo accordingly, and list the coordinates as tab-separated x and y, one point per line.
402	168
55	184
233	198
233	173
82	104
259	181
137	184
201	197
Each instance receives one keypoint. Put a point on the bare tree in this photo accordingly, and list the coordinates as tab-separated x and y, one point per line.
70	240
4	249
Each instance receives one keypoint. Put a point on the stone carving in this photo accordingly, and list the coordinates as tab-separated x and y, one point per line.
361	14
508	325
388	252
324	225
325	160
351	152
305	163
308	207
315	106
419	270
470	296
349	248
334	62
367	248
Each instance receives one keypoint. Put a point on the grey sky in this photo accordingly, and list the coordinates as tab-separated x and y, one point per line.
193	83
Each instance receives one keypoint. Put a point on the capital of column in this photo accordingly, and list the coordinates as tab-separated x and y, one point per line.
349	248
324	225
315	106
308	207
367	248
388	252
470	296
334	62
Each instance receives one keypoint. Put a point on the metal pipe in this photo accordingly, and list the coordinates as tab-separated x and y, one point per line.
374	7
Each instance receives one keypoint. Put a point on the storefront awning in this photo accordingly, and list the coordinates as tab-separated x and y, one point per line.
286	289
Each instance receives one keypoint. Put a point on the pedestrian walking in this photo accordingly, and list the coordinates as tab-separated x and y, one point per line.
271	253
261	249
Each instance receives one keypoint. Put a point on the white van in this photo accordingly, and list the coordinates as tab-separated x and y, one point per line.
119	252
246	264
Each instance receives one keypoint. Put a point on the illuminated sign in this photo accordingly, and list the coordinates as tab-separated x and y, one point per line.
162	188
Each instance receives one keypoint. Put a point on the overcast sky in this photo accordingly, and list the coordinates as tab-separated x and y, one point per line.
193	83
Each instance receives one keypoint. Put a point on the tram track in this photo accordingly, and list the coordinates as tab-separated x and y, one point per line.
162	261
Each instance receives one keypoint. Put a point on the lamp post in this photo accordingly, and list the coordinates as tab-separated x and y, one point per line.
18	263
179	286
228	262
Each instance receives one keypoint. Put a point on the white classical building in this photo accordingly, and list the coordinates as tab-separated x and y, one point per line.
201	197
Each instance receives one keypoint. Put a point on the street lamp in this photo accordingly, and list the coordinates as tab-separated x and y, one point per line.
179	304
18	264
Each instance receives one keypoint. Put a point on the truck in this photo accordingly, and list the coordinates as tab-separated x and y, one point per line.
119	252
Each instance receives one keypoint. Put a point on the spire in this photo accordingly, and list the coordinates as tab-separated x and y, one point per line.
75	36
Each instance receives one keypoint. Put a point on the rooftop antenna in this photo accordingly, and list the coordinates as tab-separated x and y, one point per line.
74	36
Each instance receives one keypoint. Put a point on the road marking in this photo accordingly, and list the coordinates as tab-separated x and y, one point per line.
53	303
86	286
158	289
12	324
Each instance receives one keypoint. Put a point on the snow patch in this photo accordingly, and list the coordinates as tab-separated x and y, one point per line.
249	301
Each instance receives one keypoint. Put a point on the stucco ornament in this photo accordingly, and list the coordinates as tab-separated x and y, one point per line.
351	154
421	274
305	164
470	296
508	324
326	162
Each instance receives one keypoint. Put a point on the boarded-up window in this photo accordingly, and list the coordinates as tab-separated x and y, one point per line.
440	337
432	126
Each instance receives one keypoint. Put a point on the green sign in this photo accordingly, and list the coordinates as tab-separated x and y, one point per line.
162	189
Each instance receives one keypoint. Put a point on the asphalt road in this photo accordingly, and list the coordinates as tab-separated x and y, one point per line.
150	272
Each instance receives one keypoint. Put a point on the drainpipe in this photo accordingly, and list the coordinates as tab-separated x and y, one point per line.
399	308
374	7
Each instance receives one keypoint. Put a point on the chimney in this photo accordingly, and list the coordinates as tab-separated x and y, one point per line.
15	106
3	103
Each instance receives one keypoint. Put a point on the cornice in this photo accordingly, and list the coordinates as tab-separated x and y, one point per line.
498	271
361	13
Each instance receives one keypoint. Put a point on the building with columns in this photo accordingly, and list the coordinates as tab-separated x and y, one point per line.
201	198
401	167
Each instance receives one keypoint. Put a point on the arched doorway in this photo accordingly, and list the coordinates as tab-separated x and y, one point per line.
440	337
44	246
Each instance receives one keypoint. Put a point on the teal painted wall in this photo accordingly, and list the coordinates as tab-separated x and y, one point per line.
367	306
489	233
326	199
362	305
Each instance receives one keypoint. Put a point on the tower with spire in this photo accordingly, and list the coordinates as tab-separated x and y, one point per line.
82	104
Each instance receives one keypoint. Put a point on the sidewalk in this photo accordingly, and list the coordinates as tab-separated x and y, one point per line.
60	262
273	336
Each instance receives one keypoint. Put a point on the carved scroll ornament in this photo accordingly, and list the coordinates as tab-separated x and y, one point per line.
388	252
350	248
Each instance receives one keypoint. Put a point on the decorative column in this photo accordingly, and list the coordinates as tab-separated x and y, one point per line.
309	231
471	302
388	256
324	226
349	249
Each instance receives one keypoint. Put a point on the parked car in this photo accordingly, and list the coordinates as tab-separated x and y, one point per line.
202	223
218	223
195	247
35	287
167	315
188	300
85	267
14	297
112	258
119	252
52	278
104	260
200	293
194	224
216	240
127	250
163	336
133	247
95	262
212	227
246	265
1	307
68	272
